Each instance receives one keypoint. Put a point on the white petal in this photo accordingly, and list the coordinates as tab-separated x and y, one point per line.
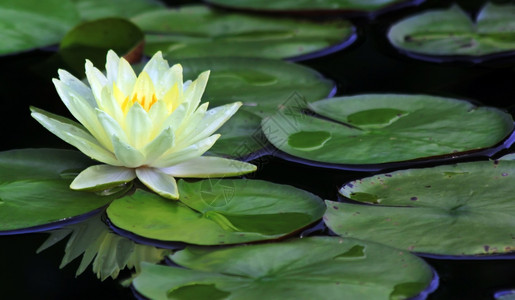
171	77
126	154
158	114
81	89
82	111
96	79
112	66
213	119
175	119
206	167
74	134
138	126
110	125
101	177
190	124
156	68
126	77
110	105
180	155
198	87
162	143
159	182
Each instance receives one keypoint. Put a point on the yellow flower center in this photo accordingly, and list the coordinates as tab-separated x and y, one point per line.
127	103
144	93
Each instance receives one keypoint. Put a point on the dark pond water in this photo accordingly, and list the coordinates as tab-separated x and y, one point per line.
370	65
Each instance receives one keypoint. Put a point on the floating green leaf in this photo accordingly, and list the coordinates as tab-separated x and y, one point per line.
108	252
198	31
461	209
240	136
307	5
34	188
218	211
375	129
452	32
28	24
91	40
97	9
263	85
309	268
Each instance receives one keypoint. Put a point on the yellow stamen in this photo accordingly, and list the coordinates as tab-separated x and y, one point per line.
143	92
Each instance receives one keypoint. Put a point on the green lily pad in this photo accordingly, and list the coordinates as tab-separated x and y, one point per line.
309	268
34	188
98	9
241	136
461	209
451	32
93	39
198	31
308	5
27	24
218	211
376	129
263	85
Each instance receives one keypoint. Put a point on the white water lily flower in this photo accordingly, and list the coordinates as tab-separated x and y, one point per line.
150	126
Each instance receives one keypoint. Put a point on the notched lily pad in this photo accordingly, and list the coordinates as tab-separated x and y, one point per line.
199	31
451	33
461	209
34	192
217	211
308	268
378	129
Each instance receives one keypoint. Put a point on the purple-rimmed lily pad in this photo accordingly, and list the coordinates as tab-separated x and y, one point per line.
308	268
199	31
35	193
308	7
217	211
461	209
377	129
450	34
